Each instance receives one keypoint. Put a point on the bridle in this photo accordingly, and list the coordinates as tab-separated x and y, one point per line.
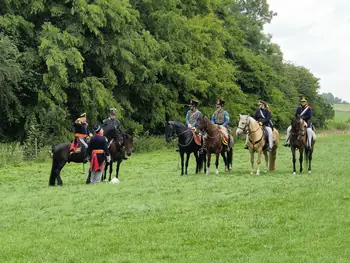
174	135
245	129
205	130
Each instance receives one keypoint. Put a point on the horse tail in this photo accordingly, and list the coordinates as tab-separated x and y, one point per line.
54	166
201	160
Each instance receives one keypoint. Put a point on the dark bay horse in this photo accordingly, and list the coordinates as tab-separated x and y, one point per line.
214	144
298	141
186	142
60	156
117	153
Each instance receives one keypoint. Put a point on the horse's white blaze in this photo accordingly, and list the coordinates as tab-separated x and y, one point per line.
217	171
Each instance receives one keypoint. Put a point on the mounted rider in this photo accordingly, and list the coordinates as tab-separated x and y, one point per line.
305	112
113	129
98	152
81	134
221	117
263	116
193	114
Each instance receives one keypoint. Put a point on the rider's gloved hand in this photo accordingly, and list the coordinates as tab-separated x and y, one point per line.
189	125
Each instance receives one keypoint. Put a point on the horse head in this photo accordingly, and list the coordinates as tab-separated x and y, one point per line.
170	132
202	123
243	125
297	124
128	143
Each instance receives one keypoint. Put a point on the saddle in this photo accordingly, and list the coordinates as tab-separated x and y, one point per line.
224	135
197	137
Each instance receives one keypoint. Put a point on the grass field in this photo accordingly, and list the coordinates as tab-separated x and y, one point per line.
342	112
155	215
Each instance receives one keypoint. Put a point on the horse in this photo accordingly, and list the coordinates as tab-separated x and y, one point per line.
60	156
187	144
258	142
214	144
298	141
117	154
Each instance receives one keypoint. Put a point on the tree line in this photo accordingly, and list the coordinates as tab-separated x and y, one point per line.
145	58
331	99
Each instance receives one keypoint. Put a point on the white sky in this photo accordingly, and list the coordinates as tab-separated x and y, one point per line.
316	34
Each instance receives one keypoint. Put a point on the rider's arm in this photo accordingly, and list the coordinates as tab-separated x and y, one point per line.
187	118
267	118
226	119
213	119
198	114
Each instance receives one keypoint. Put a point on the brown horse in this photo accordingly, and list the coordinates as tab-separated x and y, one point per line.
298	141
258	142
214	144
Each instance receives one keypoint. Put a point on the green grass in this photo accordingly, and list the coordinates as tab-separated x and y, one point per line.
155	215
342	112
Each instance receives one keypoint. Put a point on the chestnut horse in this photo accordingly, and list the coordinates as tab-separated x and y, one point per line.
298	141
258	142
214	144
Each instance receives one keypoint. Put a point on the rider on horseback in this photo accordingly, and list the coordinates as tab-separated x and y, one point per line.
112	128
263	116
305	112
81	134
193	114
221	117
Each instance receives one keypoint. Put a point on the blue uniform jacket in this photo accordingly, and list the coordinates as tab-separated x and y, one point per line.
266	119
197	114
226	119
98	143
305	113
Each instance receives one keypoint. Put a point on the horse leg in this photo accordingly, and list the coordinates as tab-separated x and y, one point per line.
310	159
229	159
266	161
205	162
223	154
110	171
197	161
251	162
294	160
217	154
182	162
208	165
118	166
301	151
259	162
58	173
187	160
88	177
53	175
104	175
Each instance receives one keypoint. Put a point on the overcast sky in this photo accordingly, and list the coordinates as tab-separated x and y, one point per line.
316	34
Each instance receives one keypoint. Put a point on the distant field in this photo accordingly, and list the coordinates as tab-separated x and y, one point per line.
342	112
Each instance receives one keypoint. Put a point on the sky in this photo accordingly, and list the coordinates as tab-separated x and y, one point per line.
316	34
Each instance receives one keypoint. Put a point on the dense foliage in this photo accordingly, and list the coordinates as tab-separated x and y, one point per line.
146	58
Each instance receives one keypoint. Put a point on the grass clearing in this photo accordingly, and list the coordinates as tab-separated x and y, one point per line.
155	215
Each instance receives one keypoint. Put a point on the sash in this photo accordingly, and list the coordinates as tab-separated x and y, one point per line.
304	111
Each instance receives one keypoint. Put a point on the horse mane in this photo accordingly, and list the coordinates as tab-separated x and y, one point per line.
177	123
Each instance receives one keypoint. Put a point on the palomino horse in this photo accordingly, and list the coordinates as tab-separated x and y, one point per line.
298	140
258	142
187	144
60	156
214	143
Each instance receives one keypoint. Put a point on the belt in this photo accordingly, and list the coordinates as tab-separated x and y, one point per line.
98	151
80	135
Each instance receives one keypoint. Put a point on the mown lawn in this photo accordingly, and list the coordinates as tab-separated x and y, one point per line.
155	215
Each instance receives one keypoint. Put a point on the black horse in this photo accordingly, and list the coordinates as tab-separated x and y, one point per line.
187	144
60	156
117	153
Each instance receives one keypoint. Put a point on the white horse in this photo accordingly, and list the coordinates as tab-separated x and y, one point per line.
257	141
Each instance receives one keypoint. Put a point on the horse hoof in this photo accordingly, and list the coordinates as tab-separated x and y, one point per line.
251	173
265	171
294	173
310	172
217	172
